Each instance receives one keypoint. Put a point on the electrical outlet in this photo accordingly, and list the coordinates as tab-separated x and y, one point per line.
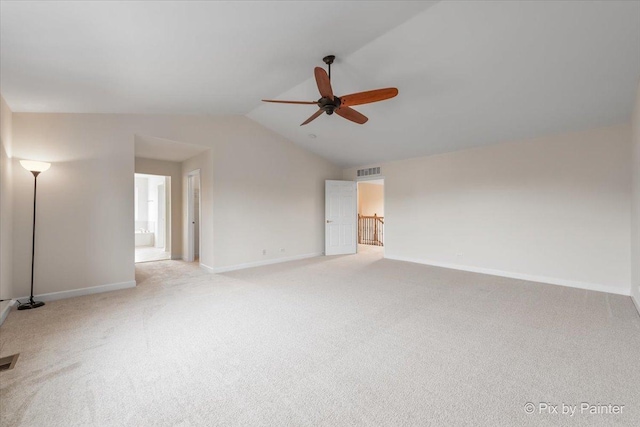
264	252
281	249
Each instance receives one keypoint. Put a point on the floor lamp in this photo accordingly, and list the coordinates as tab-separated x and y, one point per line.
36	168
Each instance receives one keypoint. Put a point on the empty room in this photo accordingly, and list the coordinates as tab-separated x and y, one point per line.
320	213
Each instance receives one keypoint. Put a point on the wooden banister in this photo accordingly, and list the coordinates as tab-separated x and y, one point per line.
371	230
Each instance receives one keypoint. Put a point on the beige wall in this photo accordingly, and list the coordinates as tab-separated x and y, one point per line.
554	209
173	170
6	203
635	216
370	199
85	203
266	193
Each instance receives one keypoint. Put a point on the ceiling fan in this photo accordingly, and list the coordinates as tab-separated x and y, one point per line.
329	103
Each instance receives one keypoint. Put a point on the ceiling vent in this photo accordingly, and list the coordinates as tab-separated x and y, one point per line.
369	171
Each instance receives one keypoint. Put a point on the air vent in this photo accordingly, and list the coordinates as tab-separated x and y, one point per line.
8	362
369	171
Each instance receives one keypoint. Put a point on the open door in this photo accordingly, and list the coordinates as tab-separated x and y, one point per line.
340	229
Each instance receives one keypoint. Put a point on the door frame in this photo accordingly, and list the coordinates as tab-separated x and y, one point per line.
162	195
190	215
168	217
384	197
168	230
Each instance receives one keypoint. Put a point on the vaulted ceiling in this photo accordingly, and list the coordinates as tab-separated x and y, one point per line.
476	73
469	73
175	57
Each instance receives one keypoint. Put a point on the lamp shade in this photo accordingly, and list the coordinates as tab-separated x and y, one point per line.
34	166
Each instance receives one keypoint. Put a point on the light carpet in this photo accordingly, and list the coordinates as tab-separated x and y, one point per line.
331	341
150	253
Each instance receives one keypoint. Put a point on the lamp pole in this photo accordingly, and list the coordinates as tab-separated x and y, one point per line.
35	168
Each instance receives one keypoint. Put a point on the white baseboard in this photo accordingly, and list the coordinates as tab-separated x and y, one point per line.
5	308
177	258
636	303
265	262
207	268
532	278
83	291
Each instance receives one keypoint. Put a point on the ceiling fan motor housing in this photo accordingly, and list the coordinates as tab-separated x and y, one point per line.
328	105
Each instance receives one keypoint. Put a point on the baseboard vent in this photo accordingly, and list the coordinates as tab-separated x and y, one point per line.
8	362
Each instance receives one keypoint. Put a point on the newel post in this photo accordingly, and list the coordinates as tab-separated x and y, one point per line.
375	227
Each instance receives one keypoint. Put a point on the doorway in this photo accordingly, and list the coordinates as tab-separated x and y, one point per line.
354	216
152	217
193	215
371	214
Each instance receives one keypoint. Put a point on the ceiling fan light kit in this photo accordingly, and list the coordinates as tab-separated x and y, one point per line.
329	103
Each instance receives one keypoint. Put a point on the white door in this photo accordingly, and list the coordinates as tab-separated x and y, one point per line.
340	230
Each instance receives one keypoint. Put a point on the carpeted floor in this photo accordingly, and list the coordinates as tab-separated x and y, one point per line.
330	341
150	253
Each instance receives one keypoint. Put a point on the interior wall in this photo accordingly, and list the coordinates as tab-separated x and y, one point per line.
174	171
266	193
370	199
635	216
6	204
555	209
268	199
85	203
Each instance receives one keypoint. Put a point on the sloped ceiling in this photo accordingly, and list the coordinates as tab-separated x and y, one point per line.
469	73
475	73
192	57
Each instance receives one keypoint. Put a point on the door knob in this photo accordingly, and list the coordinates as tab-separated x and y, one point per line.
328	221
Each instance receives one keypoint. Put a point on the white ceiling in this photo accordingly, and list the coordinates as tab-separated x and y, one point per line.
175	57
476	73
469	73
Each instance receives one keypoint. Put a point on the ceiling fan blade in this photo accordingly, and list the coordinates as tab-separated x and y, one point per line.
351	114
313	117
368	96
290	102
324	84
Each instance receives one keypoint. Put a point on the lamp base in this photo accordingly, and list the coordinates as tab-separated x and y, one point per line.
29	304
